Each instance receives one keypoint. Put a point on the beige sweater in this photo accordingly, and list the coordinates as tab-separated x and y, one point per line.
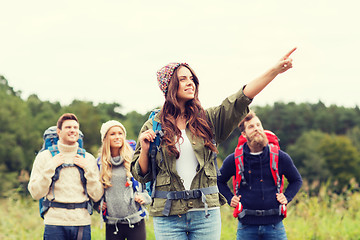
68	189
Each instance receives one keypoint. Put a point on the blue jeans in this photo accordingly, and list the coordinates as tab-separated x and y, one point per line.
190	226
53	232
265	232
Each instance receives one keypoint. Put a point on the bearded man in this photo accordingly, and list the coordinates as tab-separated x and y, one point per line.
258	196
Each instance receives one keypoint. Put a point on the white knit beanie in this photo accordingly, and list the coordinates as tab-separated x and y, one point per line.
109	124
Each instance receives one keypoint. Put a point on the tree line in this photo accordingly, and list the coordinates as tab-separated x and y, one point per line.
324	142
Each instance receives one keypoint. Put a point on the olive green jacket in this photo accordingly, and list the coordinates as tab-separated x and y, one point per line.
224	119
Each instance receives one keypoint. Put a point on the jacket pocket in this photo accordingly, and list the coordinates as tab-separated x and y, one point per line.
210	174
163	182
213	200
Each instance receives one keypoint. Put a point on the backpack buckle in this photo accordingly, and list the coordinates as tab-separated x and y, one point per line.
68	165
186	194
160	132
259	212
70	206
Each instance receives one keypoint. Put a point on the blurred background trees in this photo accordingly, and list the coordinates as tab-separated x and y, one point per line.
323	141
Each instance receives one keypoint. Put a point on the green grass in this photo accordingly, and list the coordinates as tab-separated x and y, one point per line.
325	216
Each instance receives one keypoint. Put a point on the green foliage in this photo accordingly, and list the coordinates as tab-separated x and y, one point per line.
9	182
133	123
44	114
307	157
111	111
16	143
22	124
324	143
20	219
306	131
342	158
325	216
354	135
319	156
290	120
6	89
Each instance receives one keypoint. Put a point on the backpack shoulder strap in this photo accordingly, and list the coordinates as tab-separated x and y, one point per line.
81	151
214	157
135	184
156	128
274	162
54	150
156	124
98	162
154	148
239	169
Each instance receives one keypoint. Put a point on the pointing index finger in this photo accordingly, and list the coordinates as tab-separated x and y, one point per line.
289	53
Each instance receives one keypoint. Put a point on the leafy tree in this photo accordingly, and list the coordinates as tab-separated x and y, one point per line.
6	89
354	135
308	132
133	123
307	157
15	128
342	158
110	111
44	114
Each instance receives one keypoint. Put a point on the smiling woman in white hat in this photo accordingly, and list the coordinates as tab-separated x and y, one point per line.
123	196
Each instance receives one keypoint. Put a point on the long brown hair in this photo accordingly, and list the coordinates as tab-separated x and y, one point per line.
194	113
125	152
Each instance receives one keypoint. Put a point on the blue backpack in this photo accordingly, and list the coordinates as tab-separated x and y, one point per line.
153	149
50	143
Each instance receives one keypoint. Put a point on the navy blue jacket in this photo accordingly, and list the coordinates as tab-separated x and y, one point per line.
257	194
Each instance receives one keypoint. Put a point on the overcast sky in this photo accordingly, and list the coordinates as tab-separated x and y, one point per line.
109	51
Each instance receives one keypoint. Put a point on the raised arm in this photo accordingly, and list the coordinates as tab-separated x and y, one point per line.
258	84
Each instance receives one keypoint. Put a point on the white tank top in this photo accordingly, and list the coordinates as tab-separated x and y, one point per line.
187	163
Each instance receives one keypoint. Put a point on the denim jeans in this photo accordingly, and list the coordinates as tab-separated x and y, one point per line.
265	232
190	226
53	232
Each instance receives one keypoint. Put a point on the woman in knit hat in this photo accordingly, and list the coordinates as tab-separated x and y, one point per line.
123	197
186	201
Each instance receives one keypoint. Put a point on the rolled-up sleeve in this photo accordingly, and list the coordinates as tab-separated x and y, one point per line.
228	114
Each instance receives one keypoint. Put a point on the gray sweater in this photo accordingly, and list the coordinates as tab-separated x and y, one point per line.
121	206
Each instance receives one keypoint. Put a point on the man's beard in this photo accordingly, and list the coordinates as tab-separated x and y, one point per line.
257	140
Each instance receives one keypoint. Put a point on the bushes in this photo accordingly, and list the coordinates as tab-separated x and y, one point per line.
325	215
315	213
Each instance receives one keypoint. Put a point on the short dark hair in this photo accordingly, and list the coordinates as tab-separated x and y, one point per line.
247	118
64	117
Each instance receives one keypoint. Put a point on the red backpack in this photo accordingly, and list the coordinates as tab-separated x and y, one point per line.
239	178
